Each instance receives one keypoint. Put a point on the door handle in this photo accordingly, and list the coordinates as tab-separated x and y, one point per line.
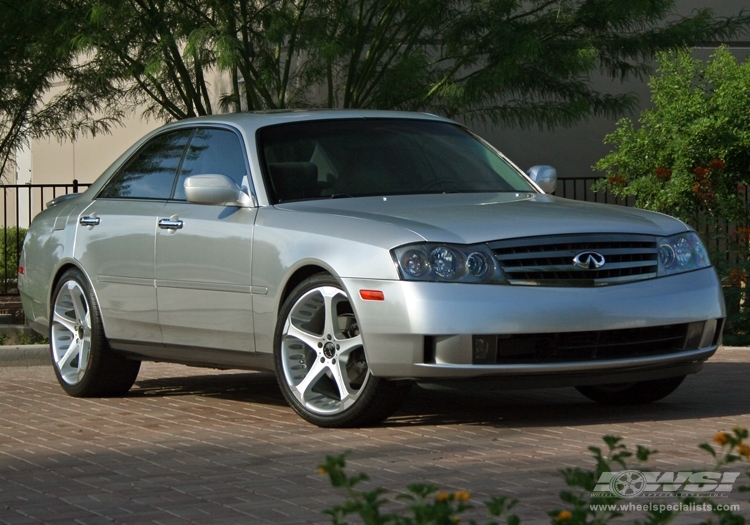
170	224
89	221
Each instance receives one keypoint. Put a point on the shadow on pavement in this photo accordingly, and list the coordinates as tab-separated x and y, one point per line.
251	387
721	389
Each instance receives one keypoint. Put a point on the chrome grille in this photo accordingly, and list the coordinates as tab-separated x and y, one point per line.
548	261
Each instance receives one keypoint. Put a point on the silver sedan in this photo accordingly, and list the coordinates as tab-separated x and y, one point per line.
355	253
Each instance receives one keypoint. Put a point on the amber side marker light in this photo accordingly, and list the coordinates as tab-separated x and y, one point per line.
372	295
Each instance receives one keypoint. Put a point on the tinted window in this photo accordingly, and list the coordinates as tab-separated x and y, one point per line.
151	173
361	157
212	151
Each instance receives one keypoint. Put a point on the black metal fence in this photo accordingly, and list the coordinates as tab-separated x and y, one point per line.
579	188
21	203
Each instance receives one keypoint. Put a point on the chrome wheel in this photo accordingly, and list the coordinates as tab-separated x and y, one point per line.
320	360
322	354
71	332
84	363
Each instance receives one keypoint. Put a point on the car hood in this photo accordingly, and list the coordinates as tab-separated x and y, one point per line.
478	217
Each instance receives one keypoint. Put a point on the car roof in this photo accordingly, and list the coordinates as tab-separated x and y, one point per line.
252	120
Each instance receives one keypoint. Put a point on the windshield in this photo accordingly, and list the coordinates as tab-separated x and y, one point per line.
366	157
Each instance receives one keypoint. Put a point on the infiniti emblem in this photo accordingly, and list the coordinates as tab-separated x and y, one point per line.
589	260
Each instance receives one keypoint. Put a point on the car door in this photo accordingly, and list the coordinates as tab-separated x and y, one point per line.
203	254
115	238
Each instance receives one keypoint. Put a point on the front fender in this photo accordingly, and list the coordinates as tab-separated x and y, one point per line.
285	241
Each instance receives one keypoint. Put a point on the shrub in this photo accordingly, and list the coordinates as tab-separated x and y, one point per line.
690	157
582	505
11	241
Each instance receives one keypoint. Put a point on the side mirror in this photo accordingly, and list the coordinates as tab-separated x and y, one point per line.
544	176
215	190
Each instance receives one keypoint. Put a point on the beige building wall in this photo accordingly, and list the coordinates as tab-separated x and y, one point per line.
59	162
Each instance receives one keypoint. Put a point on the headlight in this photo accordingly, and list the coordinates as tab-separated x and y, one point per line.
447	263
681	253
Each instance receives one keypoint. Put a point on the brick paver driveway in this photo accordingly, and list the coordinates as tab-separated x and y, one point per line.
191	445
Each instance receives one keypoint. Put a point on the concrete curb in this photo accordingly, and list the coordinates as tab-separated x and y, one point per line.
24	355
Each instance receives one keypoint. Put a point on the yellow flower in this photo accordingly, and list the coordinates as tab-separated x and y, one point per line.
322	470
461	495
721	438
442	496
564	515
456	519
744	450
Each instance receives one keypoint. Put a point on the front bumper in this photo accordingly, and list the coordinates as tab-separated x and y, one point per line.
413	315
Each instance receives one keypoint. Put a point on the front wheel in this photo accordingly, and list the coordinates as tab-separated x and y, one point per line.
638	393
320	360
84	364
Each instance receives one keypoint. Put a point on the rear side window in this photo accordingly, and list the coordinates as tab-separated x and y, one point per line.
151	173
214	152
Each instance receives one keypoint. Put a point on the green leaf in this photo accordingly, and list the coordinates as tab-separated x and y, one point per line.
708	448
644	453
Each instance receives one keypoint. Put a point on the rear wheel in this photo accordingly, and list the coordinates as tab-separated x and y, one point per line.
638	393
84	364
321	364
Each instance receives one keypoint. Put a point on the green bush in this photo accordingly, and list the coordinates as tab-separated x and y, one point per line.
689	157
11	241
32	339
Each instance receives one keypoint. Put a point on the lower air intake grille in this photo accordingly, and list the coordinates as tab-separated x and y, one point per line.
584	346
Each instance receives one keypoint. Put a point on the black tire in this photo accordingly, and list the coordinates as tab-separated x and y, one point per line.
324	358
84	364
638	393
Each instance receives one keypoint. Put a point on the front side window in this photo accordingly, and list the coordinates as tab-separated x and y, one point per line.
365	157
151	173
213	152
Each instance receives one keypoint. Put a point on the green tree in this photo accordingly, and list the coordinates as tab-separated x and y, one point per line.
689	156
507	62
36	51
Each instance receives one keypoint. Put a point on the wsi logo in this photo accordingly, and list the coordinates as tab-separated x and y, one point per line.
631	483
